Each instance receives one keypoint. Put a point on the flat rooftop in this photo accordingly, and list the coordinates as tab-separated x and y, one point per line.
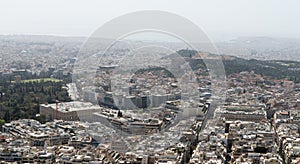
72	106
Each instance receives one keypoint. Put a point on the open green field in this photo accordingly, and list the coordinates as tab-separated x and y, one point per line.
42	79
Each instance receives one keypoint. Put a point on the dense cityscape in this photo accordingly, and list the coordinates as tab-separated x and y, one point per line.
149	82
137	122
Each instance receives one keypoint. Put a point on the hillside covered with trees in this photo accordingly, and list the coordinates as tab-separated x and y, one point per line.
277	69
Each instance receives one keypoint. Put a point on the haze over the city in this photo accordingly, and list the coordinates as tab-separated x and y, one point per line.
222	20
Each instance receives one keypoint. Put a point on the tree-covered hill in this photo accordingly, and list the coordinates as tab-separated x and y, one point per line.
277	69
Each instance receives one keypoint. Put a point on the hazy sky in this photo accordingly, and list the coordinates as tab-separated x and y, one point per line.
221	19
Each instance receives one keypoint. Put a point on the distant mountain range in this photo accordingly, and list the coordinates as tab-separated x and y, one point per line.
262	48
275	57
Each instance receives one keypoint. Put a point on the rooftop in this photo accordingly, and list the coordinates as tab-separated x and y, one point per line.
72	106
